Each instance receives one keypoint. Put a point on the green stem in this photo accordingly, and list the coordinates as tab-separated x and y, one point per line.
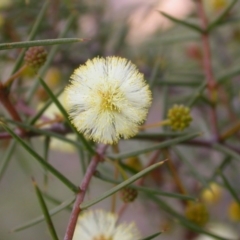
45	42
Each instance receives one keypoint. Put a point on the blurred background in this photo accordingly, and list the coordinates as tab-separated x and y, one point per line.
170	56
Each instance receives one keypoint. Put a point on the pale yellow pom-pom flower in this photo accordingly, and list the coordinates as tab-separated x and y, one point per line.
107	99
102	225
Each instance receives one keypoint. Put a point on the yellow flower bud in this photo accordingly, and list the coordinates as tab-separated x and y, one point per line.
234	211
197	213
212	194
179	117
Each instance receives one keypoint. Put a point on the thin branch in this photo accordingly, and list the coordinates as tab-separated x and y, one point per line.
152	160
122	209
207	65
140	182
61	129
174	172
14	76
4	99
56	128
82	191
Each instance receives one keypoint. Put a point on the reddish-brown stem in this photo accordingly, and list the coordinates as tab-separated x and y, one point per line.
14	76
55	128
232	116
122	209
174	173
140	182
4	99
206	47
23	108
230	131
82	191
152	160
207	65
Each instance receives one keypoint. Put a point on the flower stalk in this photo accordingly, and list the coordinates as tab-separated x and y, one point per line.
82	191
174	173
17	74
4	99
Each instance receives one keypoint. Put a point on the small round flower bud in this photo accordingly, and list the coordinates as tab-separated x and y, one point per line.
197	213
179	117
234	211
212	194
35	57
128	194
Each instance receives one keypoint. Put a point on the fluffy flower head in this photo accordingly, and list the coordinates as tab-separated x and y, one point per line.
101	225
107	99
